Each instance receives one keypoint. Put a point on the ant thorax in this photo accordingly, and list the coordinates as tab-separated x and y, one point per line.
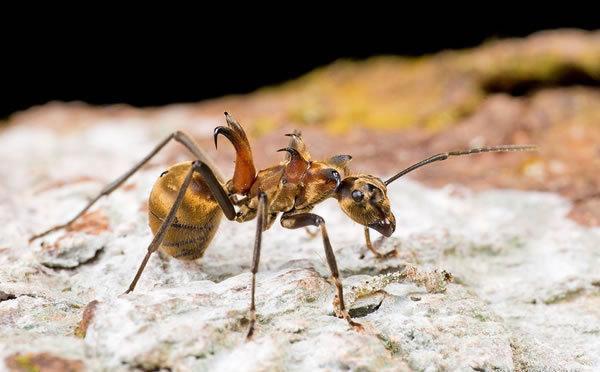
291	185
297	183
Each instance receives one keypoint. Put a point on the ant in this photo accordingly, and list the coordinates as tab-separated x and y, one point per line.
188	200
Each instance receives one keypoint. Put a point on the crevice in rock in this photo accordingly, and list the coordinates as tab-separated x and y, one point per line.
9	296
91	260
566	75
6	296
361	312
205	355
372	271
139	367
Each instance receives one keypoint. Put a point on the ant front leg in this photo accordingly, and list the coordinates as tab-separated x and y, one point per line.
309	219
260	226
373	249
178	136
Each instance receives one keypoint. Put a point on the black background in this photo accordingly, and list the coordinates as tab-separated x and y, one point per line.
165	65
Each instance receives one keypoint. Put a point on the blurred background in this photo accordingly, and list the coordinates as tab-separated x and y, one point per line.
156	66
389	92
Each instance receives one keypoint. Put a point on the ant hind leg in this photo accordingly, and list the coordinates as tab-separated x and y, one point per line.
261	222
178	136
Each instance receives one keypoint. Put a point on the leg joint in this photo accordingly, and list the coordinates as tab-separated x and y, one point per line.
319	221
198	165
178	135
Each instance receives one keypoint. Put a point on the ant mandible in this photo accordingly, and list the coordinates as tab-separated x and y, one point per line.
188	199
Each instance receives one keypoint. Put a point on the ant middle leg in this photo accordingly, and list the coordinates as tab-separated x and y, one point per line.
309	219
261	221
178	136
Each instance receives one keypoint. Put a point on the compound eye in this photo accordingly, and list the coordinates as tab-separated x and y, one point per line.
336	175
357	195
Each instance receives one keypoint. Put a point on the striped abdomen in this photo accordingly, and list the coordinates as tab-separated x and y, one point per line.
196	220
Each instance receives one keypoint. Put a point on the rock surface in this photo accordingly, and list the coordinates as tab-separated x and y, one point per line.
525	295
526	291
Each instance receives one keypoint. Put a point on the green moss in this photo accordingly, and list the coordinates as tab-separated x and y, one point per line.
25	363
481	317
263	126
431	92
392	346
310	299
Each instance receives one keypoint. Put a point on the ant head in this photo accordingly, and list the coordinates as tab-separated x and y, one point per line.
364	199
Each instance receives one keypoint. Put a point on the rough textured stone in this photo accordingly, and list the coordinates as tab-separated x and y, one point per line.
526	291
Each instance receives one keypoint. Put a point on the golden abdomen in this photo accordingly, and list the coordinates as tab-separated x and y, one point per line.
197	219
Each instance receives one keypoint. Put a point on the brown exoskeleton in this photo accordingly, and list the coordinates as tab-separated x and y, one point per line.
188	199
